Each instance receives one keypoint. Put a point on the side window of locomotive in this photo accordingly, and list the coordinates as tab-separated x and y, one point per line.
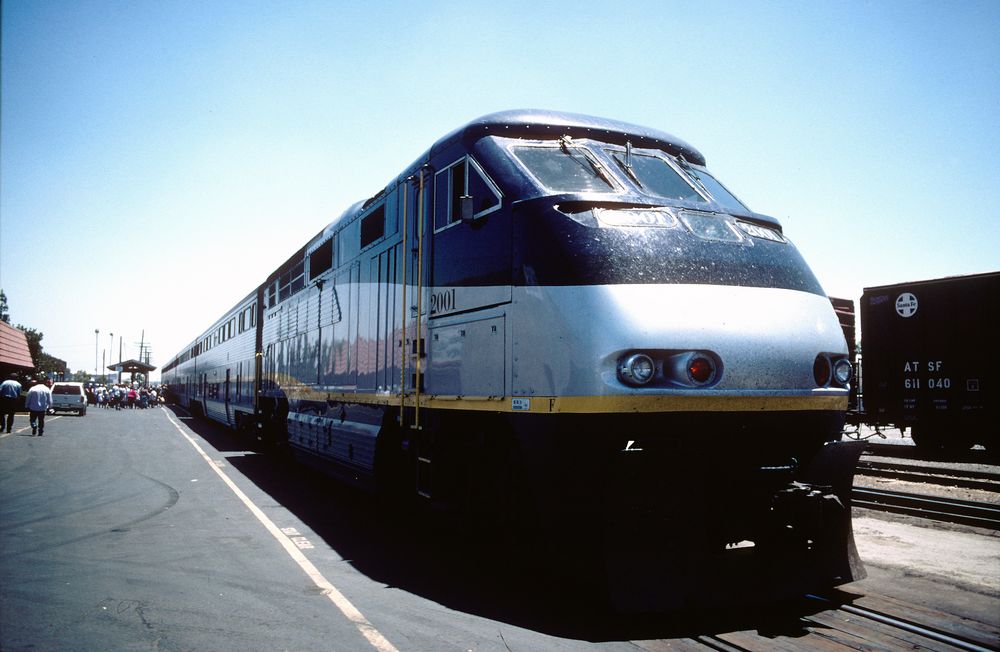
271	294
461	178
292	279
485	196
449	185
564	169
373	226
321	259
655	176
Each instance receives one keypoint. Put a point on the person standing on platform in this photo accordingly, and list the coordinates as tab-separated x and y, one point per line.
9	391
38	402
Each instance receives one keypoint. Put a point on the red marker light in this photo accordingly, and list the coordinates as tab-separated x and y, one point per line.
701	369
821	370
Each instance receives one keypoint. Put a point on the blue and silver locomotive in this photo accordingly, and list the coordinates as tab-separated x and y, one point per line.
566	316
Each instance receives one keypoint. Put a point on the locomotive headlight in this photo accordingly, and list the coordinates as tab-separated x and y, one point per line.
842	371
636	370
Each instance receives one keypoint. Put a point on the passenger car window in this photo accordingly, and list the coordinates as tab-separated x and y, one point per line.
564	169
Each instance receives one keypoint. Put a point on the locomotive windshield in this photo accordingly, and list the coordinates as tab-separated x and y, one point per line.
565	169
714	188
568	166
654	175
690	229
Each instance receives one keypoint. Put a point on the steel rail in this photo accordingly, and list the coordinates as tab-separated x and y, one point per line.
963	512
717	644
904	451
980	480
907	625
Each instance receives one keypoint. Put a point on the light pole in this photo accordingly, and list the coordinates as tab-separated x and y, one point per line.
96	333
111	346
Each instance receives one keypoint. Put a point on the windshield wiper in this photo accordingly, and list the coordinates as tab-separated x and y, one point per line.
599	171
693	175
564	145
628	170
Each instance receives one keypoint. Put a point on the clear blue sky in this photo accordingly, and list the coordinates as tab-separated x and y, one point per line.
160	158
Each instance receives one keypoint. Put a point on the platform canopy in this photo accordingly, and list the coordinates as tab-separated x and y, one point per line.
132	367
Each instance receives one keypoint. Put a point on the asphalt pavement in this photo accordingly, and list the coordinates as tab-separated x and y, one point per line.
146	529
119	531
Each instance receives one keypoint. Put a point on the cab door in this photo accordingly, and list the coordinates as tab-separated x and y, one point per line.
471	241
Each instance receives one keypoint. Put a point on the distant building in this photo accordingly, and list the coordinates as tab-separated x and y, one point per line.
52	367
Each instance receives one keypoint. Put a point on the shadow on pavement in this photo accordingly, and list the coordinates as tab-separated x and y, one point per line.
446	560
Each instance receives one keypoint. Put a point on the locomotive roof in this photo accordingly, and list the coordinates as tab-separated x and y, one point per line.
540	123
534	124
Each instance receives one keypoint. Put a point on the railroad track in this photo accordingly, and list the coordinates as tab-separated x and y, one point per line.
940	635
970	456
965	479
859	623
964	512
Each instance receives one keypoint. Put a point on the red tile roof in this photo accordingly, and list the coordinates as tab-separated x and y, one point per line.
14	347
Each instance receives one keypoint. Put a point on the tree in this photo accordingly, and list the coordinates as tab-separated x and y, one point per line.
34	343
46	364
4	309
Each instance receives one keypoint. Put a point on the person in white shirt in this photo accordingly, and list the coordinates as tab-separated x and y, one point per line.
38	402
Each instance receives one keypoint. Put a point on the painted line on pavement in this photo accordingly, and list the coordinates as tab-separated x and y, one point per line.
345	606
49	418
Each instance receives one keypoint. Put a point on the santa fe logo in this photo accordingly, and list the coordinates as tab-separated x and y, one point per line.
906	305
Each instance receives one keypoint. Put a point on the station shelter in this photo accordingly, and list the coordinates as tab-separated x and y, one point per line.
133	367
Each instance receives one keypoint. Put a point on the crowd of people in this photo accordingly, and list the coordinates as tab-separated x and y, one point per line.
123	396
37	401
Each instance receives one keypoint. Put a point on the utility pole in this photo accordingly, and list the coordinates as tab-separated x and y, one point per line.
144	348
145	351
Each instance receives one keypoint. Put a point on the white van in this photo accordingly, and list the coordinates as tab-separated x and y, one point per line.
69	397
